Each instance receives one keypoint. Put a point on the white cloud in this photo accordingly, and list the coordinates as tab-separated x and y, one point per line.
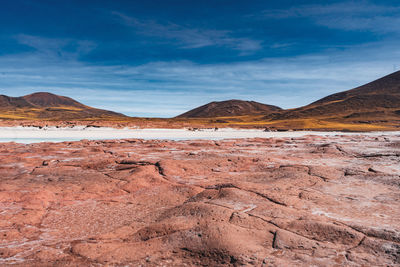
166	89
349	15
56	47
186	37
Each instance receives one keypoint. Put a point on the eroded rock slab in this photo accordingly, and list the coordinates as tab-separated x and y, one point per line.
324	201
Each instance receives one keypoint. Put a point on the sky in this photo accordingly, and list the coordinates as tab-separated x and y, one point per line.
160	58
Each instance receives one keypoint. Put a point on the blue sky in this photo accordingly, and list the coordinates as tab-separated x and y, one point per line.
161	58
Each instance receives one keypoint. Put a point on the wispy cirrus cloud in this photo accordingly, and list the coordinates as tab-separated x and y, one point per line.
354	15
162	61
166	89
188	37
56	47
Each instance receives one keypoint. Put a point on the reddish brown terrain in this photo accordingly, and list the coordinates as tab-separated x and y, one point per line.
311	201
47	106
377	100
230	108
371	107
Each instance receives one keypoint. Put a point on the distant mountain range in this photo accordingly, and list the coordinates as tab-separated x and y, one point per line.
50	106
230	108
374	103
380	98
373	99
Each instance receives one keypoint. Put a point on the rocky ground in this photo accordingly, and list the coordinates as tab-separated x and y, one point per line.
322	201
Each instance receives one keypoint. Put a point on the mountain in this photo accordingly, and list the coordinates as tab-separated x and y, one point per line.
377	99
44	100
229	108
371	107
14	102
44	105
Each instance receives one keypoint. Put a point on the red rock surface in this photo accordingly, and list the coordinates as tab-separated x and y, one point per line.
321	201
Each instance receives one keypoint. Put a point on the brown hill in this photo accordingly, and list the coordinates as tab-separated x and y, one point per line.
43	99
14	102
230	108
46	106
377	99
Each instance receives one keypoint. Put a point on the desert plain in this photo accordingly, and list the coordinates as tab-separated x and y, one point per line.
309	200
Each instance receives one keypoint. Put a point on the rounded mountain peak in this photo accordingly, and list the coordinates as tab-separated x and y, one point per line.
228	108
45	99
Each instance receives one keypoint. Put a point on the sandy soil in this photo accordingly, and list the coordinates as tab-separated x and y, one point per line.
287	201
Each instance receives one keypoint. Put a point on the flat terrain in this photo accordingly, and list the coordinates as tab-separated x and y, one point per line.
312	200
239	122
56	134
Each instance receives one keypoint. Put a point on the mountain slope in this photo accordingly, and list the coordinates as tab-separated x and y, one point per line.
14	102
47	106
377	99
229	108
43	99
